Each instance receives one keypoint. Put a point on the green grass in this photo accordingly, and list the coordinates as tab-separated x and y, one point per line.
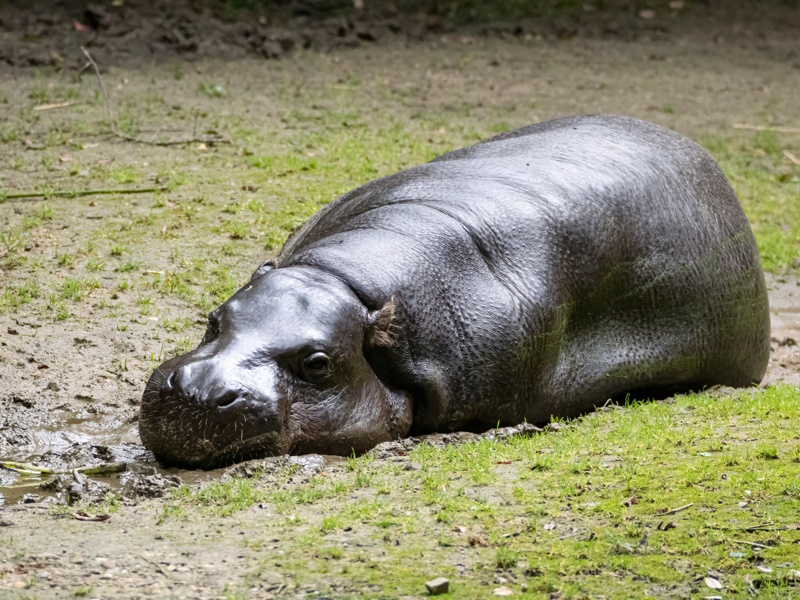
13	297
74	288
582	511
123	175
768	186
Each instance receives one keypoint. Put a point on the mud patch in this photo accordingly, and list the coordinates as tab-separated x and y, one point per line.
784	362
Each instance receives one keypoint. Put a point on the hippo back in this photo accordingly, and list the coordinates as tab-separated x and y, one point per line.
548	269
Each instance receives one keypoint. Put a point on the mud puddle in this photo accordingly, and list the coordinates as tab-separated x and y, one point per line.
126	469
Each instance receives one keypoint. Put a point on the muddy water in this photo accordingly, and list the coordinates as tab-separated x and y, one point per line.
90	441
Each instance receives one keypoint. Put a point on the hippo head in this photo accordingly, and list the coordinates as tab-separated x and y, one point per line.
282	368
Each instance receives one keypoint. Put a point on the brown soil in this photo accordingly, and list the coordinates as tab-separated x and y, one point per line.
136	31
65	399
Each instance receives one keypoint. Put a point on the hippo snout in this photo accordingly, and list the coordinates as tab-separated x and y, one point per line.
201	384
196	412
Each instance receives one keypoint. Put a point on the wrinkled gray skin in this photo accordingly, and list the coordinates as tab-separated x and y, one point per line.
538	273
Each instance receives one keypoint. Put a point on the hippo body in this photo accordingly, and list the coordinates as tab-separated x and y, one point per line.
536	274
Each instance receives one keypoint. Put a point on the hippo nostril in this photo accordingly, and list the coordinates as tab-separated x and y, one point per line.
169	383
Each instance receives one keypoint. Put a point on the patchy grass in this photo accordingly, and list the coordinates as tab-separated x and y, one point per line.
15	296
582	511
198	241
768	186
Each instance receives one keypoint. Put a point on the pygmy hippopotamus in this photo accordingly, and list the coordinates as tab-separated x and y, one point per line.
536	274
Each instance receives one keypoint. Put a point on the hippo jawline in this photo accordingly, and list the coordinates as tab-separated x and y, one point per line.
176	440
205	454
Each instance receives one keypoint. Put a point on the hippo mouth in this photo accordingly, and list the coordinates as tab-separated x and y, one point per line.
175	442
191	435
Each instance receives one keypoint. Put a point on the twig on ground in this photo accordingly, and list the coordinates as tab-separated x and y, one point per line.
25	468
81	193
9	249
753	544
56	105
114	126
753	528
776	129
765	527
675	510
158	565
791	157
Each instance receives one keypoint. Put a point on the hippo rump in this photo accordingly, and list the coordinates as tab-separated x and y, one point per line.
536	274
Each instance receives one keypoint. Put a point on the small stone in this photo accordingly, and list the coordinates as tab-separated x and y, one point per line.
53	386
502	591
712	583
523	586
26	402
647	14
676	4
30	498
764	569
438	586
500	580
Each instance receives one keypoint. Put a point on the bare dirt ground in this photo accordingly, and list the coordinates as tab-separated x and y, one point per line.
72	367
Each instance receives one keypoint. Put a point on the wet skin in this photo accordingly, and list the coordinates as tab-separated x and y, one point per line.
538	273
280	369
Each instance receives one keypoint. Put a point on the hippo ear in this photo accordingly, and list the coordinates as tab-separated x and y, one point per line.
380	327
264	268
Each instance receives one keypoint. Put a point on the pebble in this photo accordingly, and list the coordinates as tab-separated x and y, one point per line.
437	586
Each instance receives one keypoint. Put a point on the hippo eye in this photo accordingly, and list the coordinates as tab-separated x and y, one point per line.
316	366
